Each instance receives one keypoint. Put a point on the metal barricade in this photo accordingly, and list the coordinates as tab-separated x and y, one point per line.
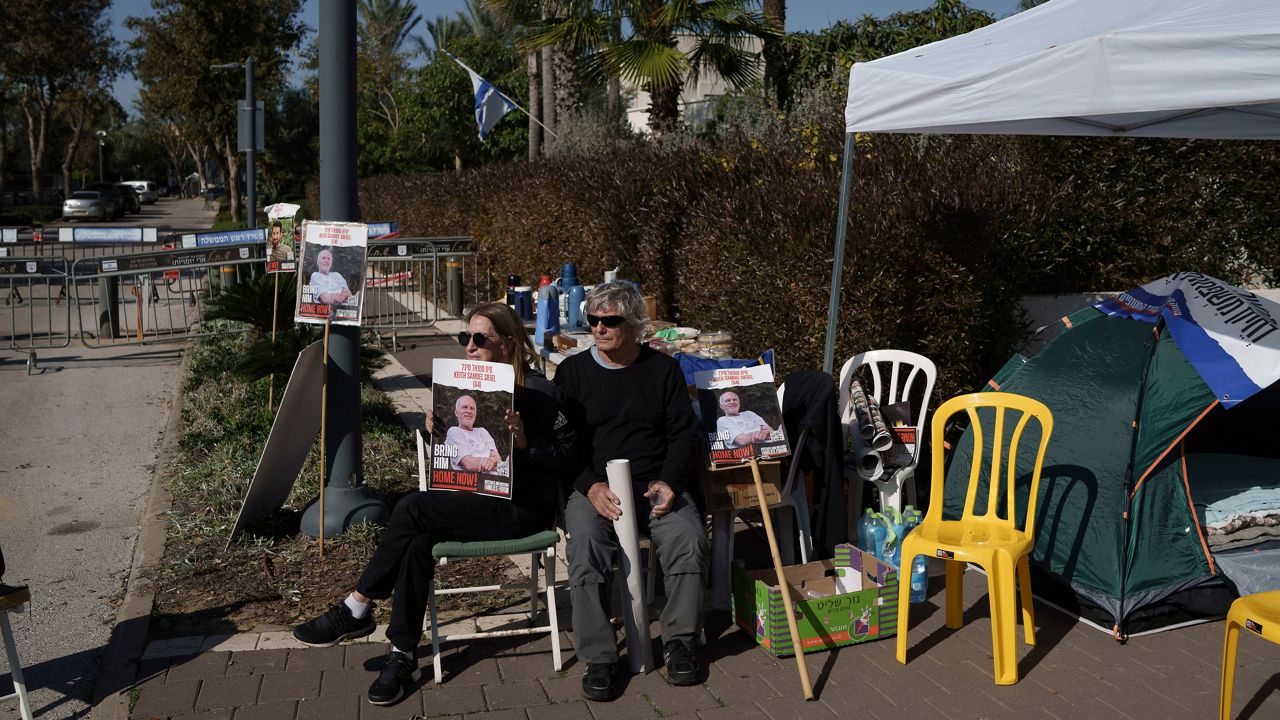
37	309
404	281
141	299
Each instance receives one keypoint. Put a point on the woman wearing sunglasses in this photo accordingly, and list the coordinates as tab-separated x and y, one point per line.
401	567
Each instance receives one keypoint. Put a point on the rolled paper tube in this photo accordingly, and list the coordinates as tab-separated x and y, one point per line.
866	460
871	424
639	645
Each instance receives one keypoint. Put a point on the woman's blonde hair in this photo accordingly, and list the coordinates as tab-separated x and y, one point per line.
508	325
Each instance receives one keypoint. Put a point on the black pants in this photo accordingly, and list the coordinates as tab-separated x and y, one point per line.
403	563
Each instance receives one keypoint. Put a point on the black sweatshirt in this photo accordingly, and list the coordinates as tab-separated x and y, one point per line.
640	412
540	467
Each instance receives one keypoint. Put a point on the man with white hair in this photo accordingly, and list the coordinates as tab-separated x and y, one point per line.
625	400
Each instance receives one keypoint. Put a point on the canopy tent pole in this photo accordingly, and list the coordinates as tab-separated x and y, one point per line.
837	265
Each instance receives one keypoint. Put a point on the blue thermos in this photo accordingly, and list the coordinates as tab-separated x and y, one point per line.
548	316
576	295
524	303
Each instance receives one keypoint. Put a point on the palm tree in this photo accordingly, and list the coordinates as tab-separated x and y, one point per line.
385	25
648	55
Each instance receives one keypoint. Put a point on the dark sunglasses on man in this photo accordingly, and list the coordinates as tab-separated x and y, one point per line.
610	321
480	339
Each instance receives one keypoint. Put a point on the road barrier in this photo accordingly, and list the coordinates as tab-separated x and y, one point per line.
137	297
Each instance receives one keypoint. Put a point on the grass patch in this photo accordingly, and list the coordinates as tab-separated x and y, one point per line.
272	575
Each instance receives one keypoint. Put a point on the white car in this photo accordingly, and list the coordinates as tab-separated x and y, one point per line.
147	191
84	204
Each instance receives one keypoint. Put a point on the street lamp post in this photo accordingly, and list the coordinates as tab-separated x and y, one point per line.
102	140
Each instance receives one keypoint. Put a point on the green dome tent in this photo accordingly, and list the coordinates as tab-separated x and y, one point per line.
1140	435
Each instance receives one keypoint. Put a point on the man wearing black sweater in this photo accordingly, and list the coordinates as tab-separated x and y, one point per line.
627	401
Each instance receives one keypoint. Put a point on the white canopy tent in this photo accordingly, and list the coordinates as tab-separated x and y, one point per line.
1142	68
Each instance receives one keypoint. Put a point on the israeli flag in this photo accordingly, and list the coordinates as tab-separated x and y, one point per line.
491	105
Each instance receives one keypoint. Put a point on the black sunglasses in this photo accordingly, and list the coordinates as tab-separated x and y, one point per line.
610	321
480	339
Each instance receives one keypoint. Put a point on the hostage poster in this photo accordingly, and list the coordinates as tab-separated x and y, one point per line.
331	272
740	414
282	237
470	443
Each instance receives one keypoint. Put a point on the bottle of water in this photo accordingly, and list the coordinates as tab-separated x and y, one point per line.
864	531
919	579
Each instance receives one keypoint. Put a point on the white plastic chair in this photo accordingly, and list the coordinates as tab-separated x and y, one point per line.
793	496
14	600
895	375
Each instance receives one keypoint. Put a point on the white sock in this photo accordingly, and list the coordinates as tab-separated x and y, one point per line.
402	652
357	608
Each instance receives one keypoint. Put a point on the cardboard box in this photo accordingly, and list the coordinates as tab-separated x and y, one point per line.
857	601
735	489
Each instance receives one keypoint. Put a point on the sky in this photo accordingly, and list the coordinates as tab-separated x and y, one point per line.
811	15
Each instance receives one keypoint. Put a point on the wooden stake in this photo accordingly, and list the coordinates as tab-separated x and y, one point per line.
324	401
275	312
783	585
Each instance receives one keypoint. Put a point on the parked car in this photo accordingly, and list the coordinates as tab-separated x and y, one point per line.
126	199
147	191
83	204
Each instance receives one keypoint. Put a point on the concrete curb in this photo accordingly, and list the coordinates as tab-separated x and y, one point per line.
133	619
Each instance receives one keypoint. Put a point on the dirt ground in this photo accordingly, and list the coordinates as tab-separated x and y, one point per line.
201	590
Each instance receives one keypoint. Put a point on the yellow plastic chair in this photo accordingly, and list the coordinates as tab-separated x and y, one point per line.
1258	613
995	543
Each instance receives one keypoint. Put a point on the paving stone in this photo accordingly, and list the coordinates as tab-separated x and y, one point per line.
365	655
291	685
173	647
274	710
329	708
790	708
627	707
525	666
212	664
739	690
563	689
678	700
254	662
514	695
504	621
330	658
469	667
507	714
224	714
736	712
573	710
225	692
410	708
452	699
157	698
230	643
279	639
154	669
345	681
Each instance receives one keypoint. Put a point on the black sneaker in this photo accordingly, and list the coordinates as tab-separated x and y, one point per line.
395	678
598	683
335	625
680	663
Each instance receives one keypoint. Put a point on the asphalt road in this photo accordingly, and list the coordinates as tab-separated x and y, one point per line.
80	441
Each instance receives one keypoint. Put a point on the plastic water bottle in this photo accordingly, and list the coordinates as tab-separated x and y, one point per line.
919	579
864	531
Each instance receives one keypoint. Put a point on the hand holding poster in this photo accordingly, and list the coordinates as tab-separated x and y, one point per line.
331	273
740	414
281	238
470	442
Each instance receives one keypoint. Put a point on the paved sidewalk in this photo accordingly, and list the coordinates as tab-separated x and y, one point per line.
1074	672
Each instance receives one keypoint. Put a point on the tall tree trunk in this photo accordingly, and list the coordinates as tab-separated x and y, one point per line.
231	172
4	135
201	171
535	107
613	95
777	83
568	89
37	129
664	110
548	95
77	128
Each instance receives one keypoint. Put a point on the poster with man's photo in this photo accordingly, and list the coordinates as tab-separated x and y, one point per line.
740	414
470	443
282	219
331	271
